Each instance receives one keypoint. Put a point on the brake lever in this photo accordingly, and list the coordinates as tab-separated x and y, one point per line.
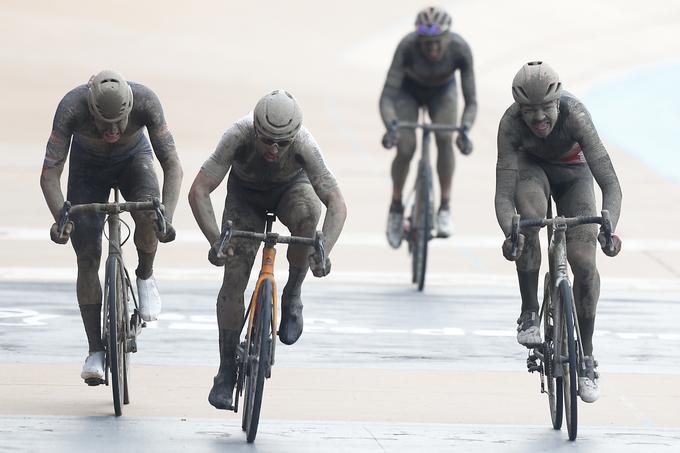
224	240
64	217
160	218
319	246
514	236
607	228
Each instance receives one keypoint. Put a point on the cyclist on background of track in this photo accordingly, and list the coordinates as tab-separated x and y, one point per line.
277	166
422	73
548	145
102	122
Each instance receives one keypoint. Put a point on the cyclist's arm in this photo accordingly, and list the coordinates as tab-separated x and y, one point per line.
328	191
164	147
598	160
210	176
395	76
56	153
467	83
506	175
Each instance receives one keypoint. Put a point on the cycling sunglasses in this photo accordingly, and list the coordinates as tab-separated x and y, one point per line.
270	142
429	30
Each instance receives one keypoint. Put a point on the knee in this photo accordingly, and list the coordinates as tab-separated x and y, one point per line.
582	260
144	219
406	146
88	257
444	142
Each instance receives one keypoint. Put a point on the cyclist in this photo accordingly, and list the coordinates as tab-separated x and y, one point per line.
548	145
102	122
422	73
276	165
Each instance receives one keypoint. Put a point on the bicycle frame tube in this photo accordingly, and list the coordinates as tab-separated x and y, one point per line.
557	255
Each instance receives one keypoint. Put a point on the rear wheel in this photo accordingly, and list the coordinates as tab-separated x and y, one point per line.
116	323
259	348
554	383
421	232
569	365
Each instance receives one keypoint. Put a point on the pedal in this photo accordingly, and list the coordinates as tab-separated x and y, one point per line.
532	364
92	382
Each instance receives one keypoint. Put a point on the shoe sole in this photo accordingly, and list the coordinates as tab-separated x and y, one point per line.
92	382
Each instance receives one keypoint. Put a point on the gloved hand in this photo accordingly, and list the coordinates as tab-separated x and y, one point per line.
507	247
212	256
390	137
169	235
63	239
616	244
463	142
318	268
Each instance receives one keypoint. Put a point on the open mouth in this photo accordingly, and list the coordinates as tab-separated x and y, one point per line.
271	157
111	137
541	127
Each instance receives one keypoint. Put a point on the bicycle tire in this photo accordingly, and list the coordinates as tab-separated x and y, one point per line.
569	366
555	403
422	227
116	332
258	358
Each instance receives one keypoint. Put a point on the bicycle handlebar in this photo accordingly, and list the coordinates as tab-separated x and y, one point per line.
604	220
272	238
391	136
113	208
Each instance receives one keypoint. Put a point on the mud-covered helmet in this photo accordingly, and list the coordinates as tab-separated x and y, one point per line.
277	116
432	21
109	97
536	83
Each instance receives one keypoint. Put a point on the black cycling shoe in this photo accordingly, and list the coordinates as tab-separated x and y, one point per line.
528	329
290	327
222	393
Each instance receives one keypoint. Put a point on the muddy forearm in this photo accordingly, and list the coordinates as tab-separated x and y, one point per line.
467	78
388	110
51	188
172	181
504	199
605	176
336	213
202	208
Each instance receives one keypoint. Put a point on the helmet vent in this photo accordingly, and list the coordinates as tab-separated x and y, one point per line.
534	63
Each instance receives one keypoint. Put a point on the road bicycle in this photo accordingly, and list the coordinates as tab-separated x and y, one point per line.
559	359
120	328
255	355
420	223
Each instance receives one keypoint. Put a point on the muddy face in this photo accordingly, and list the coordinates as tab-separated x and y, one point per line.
432	48
271	150
111	132
540	118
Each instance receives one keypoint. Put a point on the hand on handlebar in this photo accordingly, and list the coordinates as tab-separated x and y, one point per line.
319	262
463	142
212	255
168	235
615	247
390	137
63	238
508	247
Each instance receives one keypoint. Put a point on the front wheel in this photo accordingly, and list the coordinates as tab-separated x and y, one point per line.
569	362
421	228
115	317
258	355
554	383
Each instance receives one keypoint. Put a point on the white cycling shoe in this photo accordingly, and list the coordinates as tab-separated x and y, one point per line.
93	368
528	331
395	228
149	299
445	226
588	388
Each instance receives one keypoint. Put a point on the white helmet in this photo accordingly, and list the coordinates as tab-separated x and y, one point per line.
109	97
277	116
536	83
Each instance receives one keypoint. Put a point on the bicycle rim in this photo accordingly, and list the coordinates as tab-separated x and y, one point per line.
258	359
116	348
569	367
554	383
422	230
